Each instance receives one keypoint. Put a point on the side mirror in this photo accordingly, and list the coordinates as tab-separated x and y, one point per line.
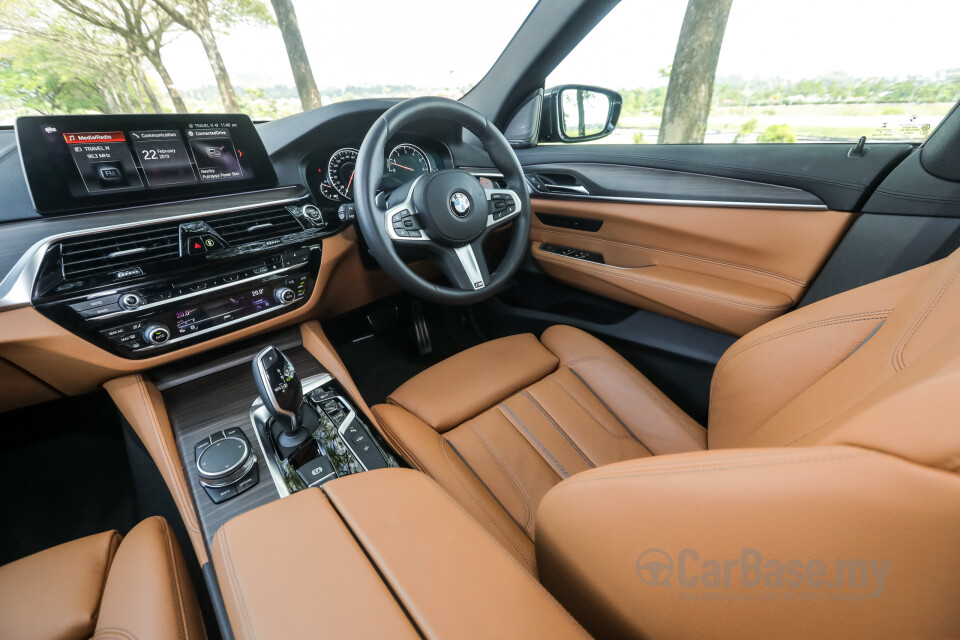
578	113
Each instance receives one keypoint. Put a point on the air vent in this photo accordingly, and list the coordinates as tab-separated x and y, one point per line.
86	256
250	226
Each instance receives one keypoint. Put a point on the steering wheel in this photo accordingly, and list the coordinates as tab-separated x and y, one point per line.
448	213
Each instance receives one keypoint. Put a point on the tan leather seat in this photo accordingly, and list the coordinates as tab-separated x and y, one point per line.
103	586
500	424
832	437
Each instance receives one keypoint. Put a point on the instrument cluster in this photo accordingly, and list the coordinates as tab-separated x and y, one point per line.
330	173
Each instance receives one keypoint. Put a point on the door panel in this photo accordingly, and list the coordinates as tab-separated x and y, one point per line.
725	268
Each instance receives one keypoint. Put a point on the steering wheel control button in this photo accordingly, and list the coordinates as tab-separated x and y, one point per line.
156	334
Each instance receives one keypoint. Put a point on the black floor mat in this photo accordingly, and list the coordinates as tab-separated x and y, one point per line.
64	468
381	360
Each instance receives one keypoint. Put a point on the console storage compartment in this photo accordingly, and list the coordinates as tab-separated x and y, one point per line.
379	554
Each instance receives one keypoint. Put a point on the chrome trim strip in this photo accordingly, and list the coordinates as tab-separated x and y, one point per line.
470	267
665	201
342	429
198	293
17	286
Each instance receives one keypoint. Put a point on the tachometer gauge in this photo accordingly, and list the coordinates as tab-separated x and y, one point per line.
329	192
340	171
407	162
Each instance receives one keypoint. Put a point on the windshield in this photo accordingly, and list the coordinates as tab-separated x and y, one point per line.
265	58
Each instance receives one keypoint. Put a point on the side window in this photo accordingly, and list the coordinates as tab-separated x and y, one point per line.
755	71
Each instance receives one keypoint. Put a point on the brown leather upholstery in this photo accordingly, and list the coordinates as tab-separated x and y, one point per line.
833	438
502	423
383	554
835	429
729	269
103	587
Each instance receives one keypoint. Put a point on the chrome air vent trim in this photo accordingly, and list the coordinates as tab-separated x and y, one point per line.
17	286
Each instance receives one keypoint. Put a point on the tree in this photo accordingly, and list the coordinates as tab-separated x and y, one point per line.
297	54
144	30
198	16
690	90
777	133
55	63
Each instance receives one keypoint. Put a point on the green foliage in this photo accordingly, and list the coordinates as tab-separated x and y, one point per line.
892	111
769	112
227	13
746	128
638	137
777	133
37	77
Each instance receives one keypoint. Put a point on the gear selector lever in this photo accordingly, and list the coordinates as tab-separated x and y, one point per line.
282	394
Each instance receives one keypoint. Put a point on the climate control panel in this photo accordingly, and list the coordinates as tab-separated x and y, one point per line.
166	314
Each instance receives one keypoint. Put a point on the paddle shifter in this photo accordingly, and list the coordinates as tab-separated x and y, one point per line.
282	394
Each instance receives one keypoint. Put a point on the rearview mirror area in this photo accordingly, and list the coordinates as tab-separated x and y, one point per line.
579	113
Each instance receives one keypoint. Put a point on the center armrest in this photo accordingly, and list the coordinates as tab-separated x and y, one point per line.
379	554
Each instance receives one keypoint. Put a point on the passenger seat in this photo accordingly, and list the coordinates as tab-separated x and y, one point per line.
103	586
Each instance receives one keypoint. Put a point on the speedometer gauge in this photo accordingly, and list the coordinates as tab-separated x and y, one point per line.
340	171
407	162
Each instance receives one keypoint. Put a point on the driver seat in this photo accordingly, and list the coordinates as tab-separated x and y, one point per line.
499	425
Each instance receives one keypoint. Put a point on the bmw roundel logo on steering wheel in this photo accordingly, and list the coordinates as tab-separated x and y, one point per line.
460	204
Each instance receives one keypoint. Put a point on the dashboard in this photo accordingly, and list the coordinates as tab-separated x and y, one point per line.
137	242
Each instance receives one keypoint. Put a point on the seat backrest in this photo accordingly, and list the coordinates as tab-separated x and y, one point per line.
874	367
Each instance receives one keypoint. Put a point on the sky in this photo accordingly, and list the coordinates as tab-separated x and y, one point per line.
452	43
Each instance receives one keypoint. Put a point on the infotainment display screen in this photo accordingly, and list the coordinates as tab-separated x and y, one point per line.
79	163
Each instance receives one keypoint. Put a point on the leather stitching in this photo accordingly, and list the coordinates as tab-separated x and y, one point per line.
512	418
528	394
106	570
780	461
528	511
880	314
571	263
113	632
398	443
679	254
530	577
483	506
182	626
898	361
232	574
616	433
654	394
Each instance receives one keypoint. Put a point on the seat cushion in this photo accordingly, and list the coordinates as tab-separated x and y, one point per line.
137	588
500	424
